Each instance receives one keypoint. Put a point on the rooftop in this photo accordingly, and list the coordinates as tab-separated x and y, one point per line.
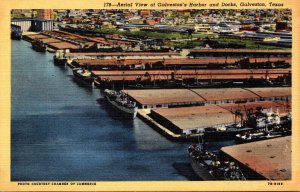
164	96
168	96
270	158
225	94
196	117
270	92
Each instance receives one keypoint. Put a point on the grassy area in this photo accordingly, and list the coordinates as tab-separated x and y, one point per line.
250	44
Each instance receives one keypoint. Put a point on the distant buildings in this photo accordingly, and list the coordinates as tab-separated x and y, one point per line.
45	13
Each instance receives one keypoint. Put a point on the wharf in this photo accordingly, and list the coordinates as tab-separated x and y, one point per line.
268	159
187	121
178	63
144	115
152	75
52	42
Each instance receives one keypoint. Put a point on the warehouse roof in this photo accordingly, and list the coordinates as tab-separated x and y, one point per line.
271	91
168	96
196	117
164	96
270	158
225	94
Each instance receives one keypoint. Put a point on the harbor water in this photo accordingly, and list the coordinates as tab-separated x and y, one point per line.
62	130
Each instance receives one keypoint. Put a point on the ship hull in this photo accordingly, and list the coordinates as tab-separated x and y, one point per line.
37	47
201	169
59	61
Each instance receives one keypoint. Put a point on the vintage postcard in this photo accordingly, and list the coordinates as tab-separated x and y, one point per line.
149	95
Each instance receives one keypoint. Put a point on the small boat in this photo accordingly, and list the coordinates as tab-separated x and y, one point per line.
83	75
121	101
209	166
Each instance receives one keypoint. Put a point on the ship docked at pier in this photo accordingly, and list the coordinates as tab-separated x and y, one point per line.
210	166
38	46
83	75
121	102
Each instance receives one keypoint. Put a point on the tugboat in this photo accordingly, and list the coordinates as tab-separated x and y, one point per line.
209	166
121	101
83	75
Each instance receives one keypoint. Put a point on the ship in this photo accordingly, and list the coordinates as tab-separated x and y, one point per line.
38	46
224	132
263	118
121	102
209	166
59	58
84	75
258	136
16	35
267	125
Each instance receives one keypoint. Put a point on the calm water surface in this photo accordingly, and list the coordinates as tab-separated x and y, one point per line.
63	131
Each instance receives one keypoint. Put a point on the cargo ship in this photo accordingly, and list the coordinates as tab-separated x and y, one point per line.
121	102
209	166
84	75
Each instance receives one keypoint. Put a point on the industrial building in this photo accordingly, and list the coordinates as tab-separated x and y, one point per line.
33	24
168	98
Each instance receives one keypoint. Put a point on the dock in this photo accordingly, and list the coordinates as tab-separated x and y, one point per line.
269	159
179	63
187	121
